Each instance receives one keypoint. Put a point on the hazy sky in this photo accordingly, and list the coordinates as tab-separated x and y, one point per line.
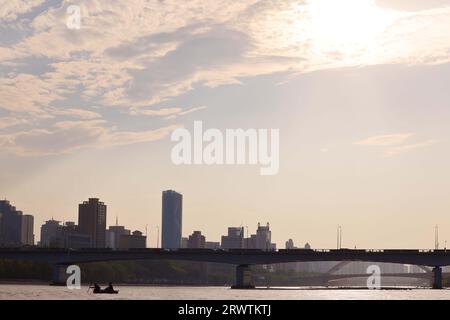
358	89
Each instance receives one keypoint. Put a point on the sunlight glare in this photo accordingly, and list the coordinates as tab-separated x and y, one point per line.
347	28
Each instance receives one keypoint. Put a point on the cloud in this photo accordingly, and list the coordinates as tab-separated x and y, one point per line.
27	93
385	140
8	122
394	144
408	147
78	113
168	113
412	5
69	136
140	54
148	52
158	112
188	111
11	9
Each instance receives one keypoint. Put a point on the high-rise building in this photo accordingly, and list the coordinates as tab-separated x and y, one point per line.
55	235
196	240
262	239
134	240
234	239
10	225
184	242
172	213
51	234
92	221
27	230
114	234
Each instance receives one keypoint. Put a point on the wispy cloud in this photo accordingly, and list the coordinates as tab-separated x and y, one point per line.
78	113
408	147
8	122
167	113
385	140
69	136
394	144
11	9
142	54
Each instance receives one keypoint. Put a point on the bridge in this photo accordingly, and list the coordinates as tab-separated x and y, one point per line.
241	258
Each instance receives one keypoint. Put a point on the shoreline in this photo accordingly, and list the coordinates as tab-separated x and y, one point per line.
22	282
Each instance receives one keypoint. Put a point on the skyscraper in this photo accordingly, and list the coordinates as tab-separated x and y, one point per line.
172	211
27	233
92	221
262	239
10	225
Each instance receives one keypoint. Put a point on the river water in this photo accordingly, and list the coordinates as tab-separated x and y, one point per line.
38	292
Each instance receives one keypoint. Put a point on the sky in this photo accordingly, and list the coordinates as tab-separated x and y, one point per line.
358	90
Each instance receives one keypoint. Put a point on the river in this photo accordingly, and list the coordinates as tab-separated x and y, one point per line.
44	292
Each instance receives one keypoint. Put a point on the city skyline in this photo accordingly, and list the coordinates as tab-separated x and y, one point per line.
237	237
356	88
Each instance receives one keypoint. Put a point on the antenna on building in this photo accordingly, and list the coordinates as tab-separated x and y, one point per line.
339	237
436	237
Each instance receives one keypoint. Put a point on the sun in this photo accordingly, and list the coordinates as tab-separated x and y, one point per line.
347	29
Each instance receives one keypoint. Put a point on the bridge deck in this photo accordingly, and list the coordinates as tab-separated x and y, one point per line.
236	257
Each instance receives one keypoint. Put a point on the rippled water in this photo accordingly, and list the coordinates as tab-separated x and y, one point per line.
34	292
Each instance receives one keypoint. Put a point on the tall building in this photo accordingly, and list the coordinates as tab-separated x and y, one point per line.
10	225
114	234
172	215
134	240
92	221
262	239
234	239
196	240
27	230
184	242
50	234
55	235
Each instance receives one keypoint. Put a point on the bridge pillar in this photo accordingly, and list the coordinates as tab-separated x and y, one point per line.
437	278
243	278
60	276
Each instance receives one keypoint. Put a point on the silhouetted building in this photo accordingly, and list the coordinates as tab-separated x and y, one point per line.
92	221
234	239
114	233
27	230
50	234
184	242
290	244
196	240
73	238
262	239
55	235
172	213
212	245
10	225
134	240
